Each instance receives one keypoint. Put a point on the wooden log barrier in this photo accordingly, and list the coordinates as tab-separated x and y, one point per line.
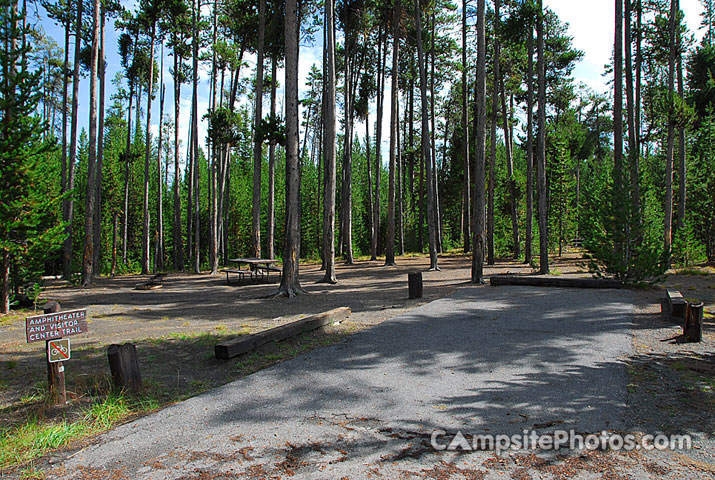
246	343
414	284
124	366
693	324
674	304
500	280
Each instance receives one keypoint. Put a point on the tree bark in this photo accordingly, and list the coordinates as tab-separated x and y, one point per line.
433	133
195	141
528	245
147	157
541	147
390	241
97	263
633	150
347	187
493	141
290	283
480	94
381	45
127	160
91	196
68	203
178	241
513	200
270	233
668	223
5	283
257	135
466	197
329	146
426	149
682	166
159	256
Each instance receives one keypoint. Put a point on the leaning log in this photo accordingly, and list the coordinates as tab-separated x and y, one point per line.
247	343
499	280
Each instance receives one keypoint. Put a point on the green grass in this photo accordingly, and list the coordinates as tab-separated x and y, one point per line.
692	271
20	445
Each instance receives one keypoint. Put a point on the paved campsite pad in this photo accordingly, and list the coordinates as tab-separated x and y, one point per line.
485	360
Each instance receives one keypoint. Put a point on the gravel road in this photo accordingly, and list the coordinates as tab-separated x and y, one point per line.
486	360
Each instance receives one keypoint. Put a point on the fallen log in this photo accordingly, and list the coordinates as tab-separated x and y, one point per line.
246	343
499	280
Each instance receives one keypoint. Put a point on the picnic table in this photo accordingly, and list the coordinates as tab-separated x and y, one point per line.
256	268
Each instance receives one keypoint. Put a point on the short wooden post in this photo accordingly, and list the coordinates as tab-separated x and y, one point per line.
693	325
124	366
55	370
414	283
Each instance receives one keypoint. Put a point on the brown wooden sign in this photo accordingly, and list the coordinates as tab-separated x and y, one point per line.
55	325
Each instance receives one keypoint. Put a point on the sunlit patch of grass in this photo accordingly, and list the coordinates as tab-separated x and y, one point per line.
21	444
692	271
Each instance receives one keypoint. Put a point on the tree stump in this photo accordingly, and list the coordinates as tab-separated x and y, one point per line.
693	325
124	366
414	283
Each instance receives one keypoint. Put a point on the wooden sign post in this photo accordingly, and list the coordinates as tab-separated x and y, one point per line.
52	327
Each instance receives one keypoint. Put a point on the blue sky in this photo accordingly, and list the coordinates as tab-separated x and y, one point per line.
591	25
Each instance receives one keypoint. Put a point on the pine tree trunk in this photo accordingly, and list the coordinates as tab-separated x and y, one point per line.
370	199
433	133
633	150
400	187
257	136
270	233
159	257
68	203
347	187
97	262
541	146
147	158
329	146
195	142
668	223
65	87
493	143
5	283
513	200
528	245
290	283
213	165
115	228
480	94
682	166
91	196
127	160
178	241
375	245
426	149
466	197
390	240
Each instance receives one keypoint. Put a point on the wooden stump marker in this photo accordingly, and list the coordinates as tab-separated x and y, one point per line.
124	366
693	324
414	284
55	370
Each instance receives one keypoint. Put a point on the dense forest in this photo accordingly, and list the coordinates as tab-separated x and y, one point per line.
493	147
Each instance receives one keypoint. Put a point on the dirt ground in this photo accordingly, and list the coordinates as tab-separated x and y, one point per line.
176	327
